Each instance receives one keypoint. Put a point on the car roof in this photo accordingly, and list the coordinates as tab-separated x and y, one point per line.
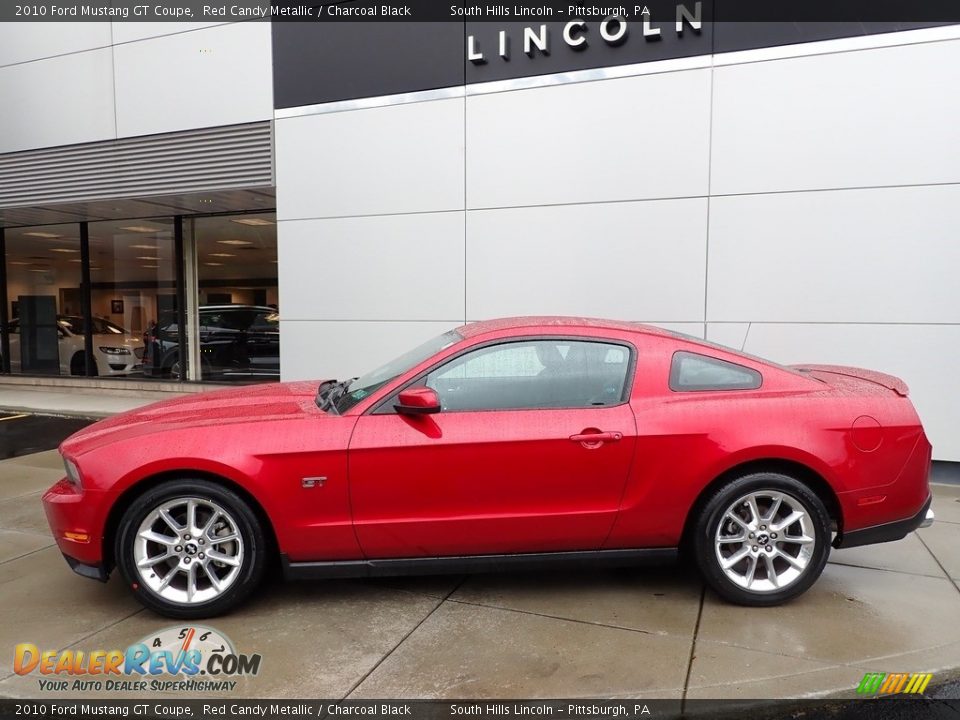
215	308
238	306
557	323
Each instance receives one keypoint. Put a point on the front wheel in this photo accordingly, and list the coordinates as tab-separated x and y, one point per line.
762	539
78	365
190	549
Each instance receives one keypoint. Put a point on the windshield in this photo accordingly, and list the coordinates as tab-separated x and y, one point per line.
362	386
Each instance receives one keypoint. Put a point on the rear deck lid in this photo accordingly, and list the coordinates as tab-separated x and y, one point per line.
872	376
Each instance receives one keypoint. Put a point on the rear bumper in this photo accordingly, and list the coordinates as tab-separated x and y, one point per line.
888	532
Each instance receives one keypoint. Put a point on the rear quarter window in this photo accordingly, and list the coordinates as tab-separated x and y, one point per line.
692	372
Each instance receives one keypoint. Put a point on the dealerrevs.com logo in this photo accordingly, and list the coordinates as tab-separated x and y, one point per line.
179	658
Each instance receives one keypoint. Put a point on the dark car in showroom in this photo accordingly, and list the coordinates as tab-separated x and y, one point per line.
237	342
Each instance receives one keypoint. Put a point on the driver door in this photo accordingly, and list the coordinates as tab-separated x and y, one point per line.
509	464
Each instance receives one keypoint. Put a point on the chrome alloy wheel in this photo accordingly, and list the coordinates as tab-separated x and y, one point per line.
765	540
188	550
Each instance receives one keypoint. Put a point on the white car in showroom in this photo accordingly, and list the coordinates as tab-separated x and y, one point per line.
115	350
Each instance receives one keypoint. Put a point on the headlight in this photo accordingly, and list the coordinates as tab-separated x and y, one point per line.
73	472
114	351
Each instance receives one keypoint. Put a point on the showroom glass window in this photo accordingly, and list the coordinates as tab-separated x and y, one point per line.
44	300
132	289
534	374
237	300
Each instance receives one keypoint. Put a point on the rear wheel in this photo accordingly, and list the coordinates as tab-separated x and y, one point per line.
190	549
177	369
762	539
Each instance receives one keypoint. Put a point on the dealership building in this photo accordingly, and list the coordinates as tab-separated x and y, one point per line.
334	193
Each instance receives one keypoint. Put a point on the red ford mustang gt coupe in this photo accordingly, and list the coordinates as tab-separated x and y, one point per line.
494	446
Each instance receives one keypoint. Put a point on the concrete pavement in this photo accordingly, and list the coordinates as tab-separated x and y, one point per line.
622	633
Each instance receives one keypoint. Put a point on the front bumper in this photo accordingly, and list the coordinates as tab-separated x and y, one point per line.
888	532
123	369
76	521
94	572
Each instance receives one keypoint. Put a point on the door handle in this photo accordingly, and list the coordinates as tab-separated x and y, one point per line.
596	438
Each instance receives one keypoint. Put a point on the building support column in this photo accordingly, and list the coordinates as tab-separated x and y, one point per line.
86	302
189	288
181	291
4	304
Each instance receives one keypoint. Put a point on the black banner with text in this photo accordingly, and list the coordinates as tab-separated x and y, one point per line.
578	709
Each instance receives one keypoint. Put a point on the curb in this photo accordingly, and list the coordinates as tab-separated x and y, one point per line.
77	414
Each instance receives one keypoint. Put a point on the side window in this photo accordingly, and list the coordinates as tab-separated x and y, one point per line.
211	321
495	362
533	374
265	322
238	320
691	372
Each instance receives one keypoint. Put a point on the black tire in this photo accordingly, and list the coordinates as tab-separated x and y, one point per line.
714	511
254	544
175	371
78	367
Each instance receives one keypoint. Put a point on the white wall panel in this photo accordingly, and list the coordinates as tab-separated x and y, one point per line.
404	267
640	260
126	31
880	255
687	328
874	117
396	159
321	350
732	335
922	355
25	41
217	76
58	101
624	139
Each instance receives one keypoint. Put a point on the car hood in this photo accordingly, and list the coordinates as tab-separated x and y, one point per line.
250	403
128	341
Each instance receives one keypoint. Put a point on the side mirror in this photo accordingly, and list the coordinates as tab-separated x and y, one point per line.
418	401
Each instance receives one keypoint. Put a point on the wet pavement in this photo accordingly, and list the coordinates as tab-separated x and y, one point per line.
24	434
605	634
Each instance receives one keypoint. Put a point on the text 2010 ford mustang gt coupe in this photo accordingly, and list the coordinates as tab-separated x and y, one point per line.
501	443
